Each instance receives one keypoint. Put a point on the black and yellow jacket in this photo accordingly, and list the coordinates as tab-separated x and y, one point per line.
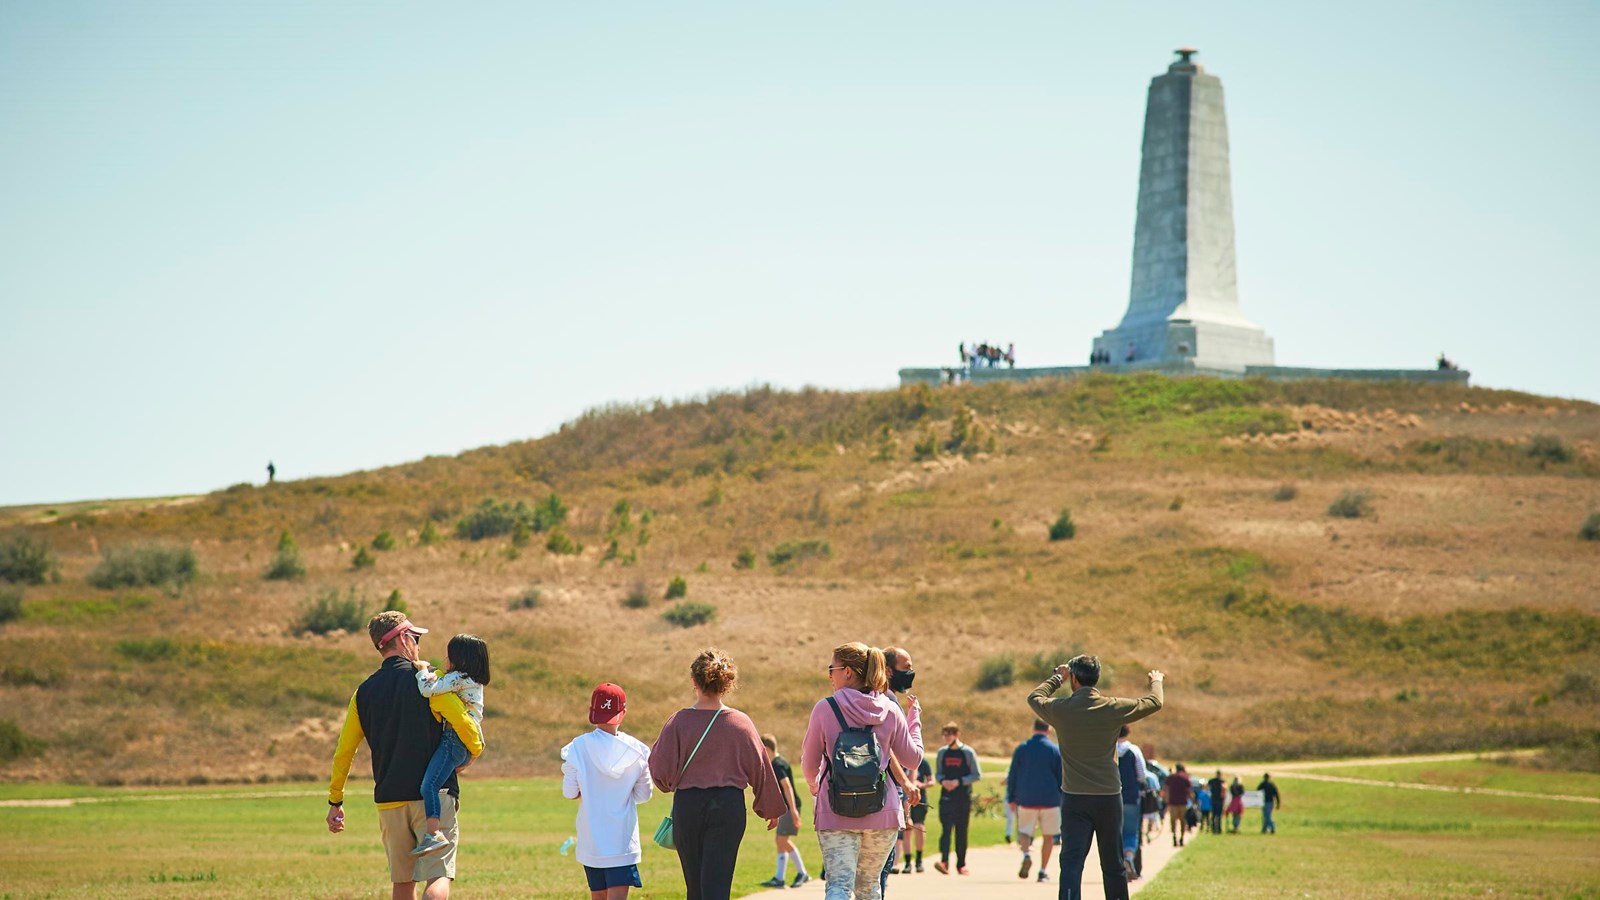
402	728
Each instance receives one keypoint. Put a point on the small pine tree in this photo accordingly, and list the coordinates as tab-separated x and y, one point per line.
363	559
677	588
397	603
1063	528
430	534
746	559
521	534
384	541
286	565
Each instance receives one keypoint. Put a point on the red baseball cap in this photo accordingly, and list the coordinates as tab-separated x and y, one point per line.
607	704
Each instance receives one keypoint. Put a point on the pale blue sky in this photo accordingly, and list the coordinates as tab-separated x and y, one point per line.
347	235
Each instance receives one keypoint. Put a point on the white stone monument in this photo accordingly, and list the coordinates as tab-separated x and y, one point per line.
1183	310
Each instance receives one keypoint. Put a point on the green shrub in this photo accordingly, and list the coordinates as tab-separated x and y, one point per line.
14	744
384	541
1176	504
429	535
528	599
996	672
1352	504
745	559
796	551
330	611
286	565
561	545
677	588
638	596
494	518
1063	528
396	602
549	513
1040	666
26	560
689	614
1547	448
1590	530
134	565
10	604
927	447
521	534
363	558
1285	492
148	650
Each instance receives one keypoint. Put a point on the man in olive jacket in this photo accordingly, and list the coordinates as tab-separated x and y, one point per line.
1087	723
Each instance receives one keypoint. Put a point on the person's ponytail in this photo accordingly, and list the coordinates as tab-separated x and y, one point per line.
876	677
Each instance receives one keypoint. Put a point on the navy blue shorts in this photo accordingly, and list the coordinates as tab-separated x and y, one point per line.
616	876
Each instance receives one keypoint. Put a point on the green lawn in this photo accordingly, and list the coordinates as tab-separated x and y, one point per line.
1358	841
215	842
1479	774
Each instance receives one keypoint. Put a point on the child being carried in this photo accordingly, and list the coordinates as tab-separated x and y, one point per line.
466	672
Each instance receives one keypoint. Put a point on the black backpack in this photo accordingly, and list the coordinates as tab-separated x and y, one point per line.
856	785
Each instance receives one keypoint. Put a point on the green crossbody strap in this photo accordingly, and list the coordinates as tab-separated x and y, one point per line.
697	744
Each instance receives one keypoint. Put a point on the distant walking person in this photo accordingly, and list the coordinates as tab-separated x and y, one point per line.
1218	789
705	756
1179	790
1203	800
957	768
272	472
906	783
789	822
1130	772
1235	803
1033	792
608	773
1270	800
1087	722
858	813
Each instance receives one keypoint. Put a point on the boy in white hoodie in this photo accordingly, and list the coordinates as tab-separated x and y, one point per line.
608	773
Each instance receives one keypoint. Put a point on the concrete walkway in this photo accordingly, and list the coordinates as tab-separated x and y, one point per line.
994	875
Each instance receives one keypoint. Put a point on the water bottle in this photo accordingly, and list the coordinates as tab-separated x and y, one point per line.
567	845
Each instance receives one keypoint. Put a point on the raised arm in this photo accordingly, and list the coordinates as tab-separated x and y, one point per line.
1150	703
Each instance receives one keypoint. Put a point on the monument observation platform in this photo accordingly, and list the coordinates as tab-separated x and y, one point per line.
1183	315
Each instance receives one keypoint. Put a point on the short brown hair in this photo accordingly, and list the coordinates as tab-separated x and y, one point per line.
770	742
714	672
383	623
951	728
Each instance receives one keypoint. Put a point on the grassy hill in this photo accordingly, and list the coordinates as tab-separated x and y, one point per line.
1452	604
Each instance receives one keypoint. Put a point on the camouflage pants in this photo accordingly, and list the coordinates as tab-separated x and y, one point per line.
854	860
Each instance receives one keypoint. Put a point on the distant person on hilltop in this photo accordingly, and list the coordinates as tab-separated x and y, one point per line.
1088	722
272	472
608	773
402	728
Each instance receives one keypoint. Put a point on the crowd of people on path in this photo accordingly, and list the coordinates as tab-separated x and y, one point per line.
987	355
862	766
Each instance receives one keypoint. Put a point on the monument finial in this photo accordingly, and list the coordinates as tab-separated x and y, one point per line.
1186	54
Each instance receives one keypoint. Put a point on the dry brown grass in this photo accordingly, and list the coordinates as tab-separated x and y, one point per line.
947	557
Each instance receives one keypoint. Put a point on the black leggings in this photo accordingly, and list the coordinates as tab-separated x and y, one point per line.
1085	816
955	811
707	826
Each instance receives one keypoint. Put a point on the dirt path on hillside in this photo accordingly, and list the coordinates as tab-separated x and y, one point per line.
1438	788
1395	760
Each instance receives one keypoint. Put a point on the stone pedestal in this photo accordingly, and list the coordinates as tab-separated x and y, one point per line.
1183	307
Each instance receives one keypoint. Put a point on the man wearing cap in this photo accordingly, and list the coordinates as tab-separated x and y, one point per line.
402	729
608	773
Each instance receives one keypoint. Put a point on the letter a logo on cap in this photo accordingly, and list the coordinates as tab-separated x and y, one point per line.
607	704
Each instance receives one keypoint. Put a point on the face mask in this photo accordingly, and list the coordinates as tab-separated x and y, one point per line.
901	681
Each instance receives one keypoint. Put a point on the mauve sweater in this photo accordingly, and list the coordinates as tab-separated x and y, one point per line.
896	735
732	756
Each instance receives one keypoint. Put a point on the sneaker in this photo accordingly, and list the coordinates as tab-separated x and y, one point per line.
1027	866
430	843
962	871
1128	869
942	867
800	879
919	866
774	881
1043	876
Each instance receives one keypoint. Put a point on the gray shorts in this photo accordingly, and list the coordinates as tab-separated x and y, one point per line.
786	826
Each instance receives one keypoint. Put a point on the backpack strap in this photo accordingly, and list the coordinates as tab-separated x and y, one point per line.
843	726
698	743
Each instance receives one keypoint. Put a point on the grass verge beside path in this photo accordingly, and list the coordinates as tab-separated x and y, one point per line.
217	847
1477	774
1360	841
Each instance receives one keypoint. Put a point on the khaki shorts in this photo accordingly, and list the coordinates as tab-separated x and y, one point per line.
1046	820
402	829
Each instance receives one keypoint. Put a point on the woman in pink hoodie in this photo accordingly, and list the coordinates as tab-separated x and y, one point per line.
854	848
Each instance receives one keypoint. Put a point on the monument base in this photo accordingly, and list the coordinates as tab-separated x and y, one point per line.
1178	368
1207	345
